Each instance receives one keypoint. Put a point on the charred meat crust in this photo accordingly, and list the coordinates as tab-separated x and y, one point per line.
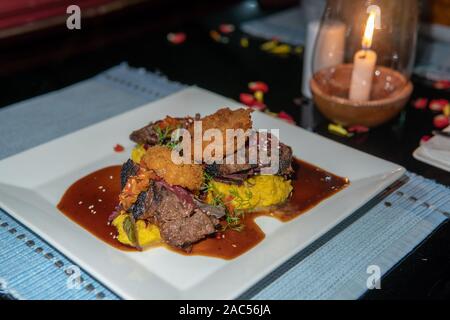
129	169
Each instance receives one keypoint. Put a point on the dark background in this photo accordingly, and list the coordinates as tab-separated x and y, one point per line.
48	59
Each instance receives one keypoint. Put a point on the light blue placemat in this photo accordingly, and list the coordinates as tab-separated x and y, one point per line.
338	265
29	267
334	267
32	122
288	26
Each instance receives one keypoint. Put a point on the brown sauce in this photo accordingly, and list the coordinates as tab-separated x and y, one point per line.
90	201
230	243
78	200
311	186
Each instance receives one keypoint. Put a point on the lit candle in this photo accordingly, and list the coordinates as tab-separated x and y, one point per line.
364	64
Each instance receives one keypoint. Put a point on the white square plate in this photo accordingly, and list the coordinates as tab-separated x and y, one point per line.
32	182
435	152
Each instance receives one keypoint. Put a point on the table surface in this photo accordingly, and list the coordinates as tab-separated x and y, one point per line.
227	69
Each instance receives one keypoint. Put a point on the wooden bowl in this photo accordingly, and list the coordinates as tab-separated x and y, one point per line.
330	88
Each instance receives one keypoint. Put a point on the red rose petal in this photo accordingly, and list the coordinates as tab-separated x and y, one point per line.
119	148
442	84
425	139
258	86
285	116
176	37
438	104
441	121
247	99
420	103
358	129
257	105
226	28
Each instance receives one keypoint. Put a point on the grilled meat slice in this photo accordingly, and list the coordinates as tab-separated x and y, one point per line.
210	210
129	169
285	160
163	203
181	220
170	204
152	133
237	173
186	231
222	170
145	135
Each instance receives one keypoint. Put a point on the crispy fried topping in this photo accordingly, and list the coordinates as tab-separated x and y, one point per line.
158	159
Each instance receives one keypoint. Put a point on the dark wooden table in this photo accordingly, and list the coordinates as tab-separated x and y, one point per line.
36	64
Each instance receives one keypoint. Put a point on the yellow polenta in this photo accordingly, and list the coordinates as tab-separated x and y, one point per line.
147	234
255	193
137	153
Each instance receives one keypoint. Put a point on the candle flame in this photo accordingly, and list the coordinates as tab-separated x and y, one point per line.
368	33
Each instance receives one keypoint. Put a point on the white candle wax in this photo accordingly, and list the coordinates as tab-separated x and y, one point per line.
363	69
330	45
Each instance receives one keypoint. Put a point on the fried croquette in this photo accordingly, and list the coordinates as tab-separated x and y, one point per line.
159	159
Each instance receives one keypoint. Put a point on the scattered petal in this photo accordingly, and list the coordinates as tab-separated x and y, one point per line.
425	139
338	130
270	113
176	37
298	50
258	86
442	84
282	49
257	105
286	117
215	35
446	110
438	104
358	129
119	148
244	42
441	121
259	96
420	103
226	28
247	99
269	45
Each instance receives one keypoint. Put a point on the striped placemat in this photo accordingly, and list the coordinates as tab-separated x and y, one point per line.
380	234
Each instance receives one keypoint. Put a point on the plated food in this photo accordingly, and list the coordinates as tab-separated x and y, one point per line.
69	190
200	207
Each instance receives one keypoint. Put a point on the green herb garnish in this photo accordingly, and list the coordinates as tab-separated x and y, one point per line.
163	134
233	218
130	230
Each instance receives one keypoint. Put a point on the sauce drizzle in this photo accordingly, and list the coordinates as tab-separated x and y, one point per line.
91	200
